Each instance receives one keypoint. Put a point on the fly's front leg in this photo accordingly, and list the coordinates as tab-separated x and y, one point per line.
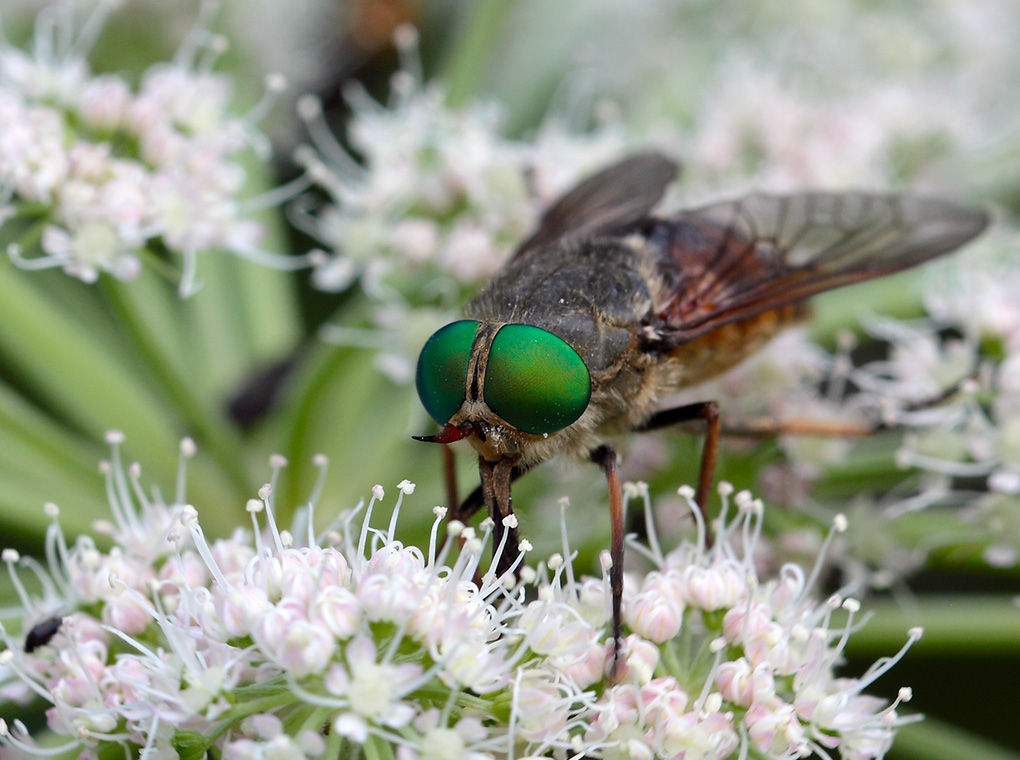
476	499
496	479
704	410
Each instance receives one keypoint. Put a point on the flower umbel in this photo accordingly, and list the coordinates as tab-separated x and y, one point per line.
306	644
95	173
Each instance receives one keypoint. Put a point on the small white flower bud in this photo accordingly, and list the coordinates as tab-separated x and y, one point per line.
308	108
713	703
275	82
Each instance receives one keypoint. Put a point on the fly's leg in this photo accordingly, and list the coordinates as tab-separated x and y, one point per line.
768	427
757	427
605	457
496	479
476	499
704	410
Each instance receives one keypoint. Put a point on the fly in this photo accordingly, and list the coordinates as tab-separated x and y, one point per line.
607	308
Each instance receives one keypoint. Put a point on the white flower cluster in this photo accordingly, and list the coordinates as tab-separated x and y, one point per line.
845	96
966	352
94	173
284	643
758	129
438	201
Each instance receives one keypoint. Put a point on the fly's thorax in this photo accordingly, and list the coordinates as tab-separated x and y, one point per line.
591	293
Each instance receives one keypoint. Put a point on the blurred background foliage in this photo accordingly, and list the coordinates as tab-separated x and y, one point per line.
799	87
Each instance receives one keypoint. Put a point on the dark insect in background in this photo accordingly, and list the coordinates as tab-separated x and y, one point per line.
42	633
607	308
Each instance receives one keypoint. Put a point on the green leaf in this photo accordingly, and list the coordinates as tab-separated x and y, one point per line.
933	739
958	624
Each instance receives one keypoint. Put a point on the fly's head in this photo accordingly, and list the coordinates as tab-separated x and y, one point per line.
511	389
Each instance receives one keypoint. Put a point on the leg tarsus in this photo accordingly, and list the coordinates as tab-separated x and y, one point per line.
605	457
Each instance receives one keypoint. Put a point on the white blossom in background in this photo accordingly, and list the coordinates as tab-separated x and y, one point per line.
433	200
964	354
287	642
799	95
96	174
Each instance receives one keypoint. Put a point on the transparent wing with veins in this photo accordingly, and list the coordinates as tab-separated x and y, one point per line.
737	259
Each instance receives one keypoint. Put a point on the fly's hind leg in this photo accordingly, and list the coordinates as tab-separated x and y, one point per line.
703	410
768	427
758	427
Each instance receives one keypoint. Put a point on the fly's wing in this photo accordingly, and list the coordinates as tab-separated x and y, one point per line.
621	193
733	260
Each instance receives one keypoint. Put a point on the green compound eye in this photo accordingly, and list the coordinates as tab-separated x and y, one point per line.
442	369
534	380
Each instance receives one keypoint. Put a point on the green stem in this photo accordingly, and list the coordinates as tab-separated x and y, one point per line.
466	66
202	419
936	740
253	707
78	376
377	748
952	625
